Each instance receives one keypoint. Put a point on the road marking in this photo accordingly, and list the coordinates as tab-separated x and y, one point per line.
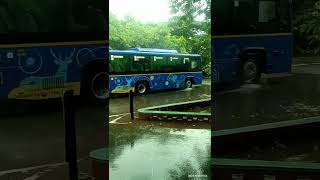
34	177
205	95
302	64
116	119
117	115
31	168
119	123
296	65
23	170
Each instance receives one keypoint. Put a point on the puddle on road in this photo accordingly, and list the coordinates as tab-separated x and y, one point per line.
278	99
146	152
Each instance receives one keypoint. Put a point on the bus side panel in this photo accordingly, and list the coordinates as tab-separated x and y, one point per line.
157	82
225	61
43	72
226	53
225	71
197	77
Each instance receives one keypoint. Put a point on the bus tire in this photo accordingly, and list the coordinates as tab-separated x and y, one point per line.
250	71
141	87
94	86
188	83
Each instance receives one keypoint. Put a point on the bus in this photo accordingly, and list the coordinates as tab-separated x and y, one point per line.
50	46
145	70
250	37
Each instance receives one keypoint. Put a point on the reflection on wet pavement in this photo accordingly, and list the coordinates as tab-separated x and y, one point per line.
36	138
304	151
141	150
277	99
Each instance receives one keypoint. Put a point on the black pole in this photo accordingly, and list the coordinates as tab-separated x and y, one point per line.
131	104
70	133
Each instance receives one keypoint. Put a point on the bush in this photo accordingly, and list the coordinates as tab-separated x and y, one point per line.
307	31
207	70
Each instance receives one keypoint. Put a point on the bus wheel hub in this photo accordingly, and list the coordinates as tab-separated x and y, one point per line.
99	86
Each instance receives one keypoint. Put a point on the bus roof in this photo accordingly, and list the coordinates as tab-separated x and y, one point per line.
149	51
154	50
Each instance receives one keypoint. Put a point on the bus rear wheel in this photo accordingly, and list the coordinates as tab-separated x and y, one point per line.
94	86
141	88
250	72
99	86
188	83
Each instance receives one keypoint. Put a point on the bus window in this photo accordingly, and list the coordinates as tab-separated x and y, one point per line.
140	64
243	20
174	64
111	68
186	64
158	64
119	63
285	16
267	11
194	64
146	64
273	16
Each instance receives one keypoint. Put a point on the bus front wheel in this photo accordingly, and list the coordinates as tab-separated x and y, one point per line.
141	88
250	71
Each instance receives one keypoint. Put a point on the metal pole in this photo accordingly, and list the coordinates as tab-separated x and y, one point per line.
70	134
131	104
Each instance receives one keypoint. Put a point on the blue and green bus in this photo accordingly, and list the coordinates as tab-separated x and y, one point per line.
47	47
250	37
145	70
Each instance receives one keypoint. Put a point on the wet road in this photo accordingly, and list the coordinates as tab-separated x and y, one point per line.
32	143
143	150
276	98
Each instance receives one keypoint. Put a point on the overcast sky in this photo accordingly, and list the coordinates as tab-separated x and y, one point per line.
142	10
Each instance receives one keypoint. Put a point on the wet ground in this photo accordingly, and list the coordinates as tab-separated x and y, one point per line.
277	98
301	151
155	150
32	141
32	144
199	109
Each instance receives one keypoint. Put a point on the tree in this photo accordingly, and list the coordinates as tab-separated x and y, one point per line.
192	21
129	33
307	27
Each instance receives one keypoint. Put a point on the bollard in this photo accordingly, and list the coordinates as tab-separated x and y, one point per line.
131	104
70	133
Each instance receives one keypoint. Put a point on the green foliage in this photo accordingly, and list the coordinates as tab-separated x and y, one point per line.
307	28
207	70
128	33
188	31
192	21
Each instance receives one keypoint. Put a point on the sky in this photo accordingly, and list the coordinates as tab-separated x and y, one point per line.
141	10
